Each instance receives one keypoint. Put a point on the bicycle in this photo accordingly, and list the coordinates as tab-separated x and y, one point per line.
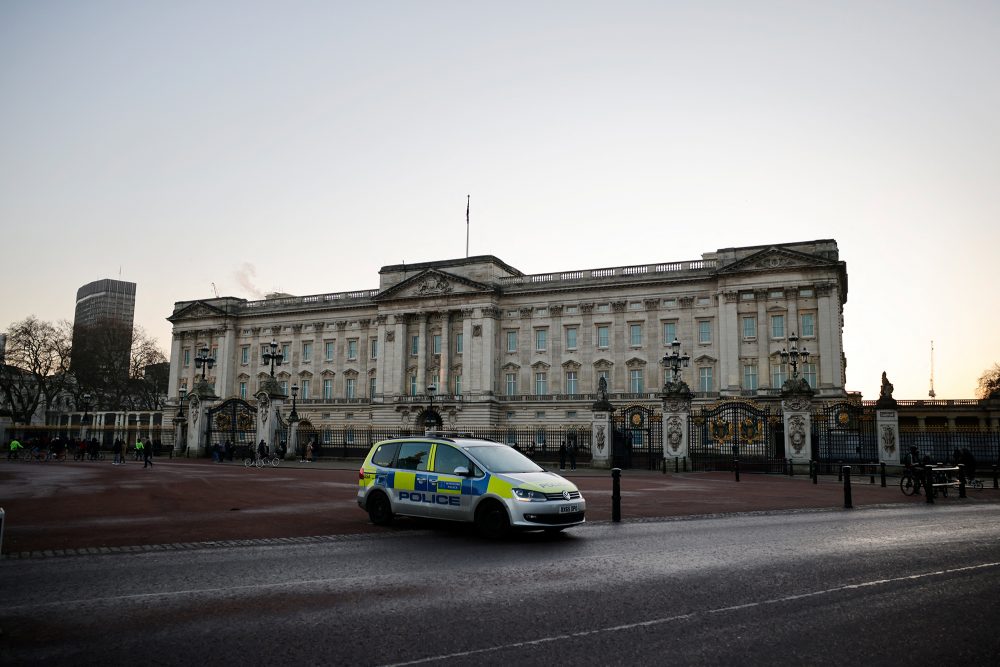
260	462
908	483
974	483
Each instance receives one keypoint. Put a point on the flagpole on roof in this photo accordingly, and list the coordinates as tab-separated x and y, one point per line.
467	200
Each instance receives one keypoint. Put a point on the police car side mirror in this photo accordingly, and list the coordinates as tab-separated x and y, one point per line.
462	471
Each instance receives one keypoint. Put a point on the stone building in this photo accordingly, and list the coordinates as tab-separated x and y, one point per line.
500	347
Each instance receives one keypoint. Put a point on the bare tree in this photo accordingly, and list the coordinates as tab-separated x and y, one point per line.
35	366
149	373
989	382
110	362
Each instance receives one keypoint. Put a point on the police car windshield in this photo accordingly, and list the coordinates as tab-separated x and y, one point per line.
503	459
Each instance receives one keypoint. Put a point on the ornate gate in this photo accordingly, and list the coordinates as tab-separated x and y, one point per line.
234	421
735	429
845	432
638	438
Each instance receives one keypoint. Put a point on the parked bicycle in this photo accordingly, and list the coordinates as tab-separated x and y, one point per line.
260	462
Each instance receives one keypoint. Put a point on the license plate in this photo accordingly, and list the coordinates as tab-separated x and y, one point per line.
569	508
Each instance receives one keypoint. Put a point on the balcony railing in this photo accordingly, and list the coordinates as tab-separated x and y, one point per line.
699	265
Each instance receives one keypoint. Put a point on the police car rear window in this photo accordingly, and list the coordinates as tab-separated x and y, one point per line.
384	455
503	459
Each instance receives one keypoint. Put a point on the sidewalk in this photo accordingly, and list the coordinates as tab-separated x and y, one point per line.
80	505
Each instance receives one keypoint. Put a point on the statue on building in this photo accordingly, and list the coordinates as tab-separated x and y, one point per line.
885	399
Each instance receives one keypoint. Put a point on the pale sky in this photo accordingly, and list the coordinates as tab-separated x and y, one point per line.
263	145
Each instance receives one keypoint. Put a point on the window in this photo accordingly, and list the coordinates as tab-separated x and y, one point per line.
777	326
776	294
328	348
458	385
350	388
604	308
245	355
571	338
705	379
541	384
327	389
286	353
635	305
808	325
635	335
414	345
806	293
413	385
448	459
187	358
809	374
571	310
541	339
778	375
669	332
373	348
749	328
372	385
306	390
284	387
571	382
307	352
243	390
512	341
702	300
413	456
704	331
214	353
635	383
352	349
750	377
511	383
459	343
436	343
602	336
570	414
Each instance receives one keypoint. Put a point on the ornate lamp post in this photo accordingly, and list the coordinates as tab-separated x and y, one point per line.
273	356
204	361
429	419
293	416
673	361
181	419
86	400
792	356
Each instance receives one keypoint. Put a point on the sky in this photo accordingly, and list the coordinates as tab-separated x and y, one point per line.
249	147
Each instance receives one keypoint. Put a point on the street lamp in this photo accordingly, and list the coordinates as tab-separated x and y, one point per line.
273	356
84	420
429	419
204	361
673	361
182	396
293	416
792	356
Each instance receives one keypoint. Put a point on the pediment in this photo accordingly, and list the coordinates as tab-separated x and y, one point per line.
776	258
540	366
197	310
432	283
603	364
704	358
571	365
635	362
511	367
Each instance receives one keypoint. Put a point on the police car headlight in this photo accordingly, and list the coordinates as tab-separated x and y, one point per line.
528	495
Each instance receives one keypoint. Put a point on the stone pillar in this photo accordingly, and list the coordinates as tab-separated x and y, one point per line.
601	430
887	424
796	407
200	401
270	399
422	355
293	440
676	411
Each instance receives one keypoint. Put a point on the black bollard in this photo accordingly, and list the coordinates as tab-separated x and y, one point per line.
929	484
616	494
814	466
871	468
848	501
736	468
791	468
996	485
840	471
686	467
961	481
882	466
676	463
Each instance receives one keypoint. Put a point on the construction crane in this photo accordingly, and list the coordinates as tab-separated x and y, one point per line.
931	392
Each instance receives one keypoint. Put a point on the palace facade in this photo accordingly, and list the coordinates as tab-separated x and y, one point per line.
491	346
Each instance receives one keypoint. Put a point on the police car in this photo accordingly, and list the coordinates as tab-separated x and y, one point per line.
465	479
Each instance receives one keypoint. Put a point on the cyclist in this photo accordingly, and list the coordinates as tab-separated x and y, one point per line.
15	449
969	461
912	463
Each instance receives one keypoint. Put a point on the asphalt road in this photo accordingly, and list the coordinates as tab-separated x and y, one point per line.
883	585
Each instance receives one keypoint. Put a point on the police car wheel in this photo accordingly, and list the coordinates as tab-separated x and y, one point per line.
491	520
379	510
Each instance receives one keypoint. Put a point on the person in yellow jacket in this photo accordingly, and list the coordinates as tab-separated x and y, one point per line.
15	449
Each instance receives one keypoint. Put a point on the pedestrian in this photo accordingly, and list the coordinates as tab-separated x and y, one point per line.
261	449
309	452
117	449
572	455
315	451
14	449
147	455
139	448
562	455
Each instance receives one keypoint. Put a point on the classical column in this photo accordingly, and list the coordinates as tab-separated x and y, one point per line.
226	360
828	328
490	317
402	351
444	377
763	341
381	367
422	355
470	360
729	342
175	366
